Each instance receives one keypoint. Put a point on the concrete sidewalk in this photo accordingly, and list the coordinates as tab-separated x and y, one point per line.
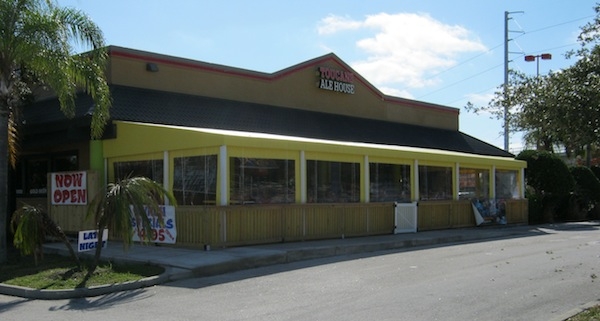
183	263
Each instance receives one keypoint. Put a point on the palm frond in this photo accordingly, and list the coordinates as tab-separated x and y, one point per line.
13	138
128	201
29	231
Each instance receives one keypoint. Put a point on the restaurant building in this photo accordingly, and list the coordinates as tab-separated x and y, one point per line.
311	151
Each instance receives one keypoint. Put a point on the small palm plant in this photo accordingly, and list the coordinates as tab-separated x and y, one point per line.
31	225
132	198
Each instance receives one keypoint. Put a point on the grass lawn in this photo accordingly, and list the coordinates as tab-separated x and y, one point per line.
56	272
591	314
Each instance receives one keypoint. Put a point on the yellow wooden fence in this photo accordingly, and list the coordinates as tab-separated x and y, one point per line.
223	226
436	215
254	224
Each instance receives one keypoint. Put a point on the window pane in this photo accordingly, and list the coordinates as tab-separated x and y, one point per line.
435	183
31	173
332	182
19	179
65	163
262	181
506	184
152	169
473	183
195	180
389	182
36	176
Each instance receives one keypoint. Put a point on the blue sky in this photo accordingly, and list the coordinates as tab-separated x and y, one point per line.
443	52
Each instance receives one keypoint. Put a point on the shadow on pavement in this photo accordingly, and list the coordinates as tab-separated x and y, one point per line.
496	233
4	307
104	301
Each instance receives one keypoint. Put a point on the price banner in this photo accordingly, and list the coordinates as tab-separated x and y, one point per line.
166	233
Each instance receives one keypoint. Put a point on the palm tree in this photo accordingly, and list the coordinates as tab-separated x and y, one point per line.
31	225
36	48
132	198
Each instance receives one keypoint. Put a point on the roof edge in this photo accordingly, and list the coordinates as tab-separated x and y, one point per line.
217	68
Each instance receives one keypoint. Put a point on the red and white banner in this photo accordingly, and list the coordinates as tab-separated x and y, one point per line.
69	188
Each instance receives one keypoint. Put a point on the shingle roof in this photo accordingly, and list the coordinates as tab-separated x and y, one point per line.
150	106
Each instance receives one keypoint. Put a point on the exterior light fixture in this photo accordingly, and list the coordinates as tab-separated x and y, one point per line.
151	67
536	58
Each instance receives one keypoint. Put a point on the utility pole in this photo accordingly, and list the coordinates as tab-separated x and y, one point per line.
506	61
505	101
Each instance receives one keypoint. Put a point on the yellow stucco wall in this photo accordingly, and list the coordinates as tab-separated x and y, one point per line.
294	87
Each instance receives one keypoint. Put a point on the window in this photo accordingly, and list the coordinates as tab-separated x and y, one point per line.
332	182
31	174
262	181
435	183
152	169
195	180
35	175
65	163
389	182
506	184
473	183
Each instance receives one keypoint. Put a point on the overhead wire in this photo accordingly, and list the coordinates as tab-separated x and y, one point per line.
492	49
458	82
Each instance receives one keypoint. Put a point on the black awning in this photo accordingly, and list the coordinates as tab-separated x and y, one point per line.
158	107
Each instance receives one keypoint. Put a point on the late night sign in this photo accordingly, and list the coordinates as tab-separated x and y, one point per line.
336	80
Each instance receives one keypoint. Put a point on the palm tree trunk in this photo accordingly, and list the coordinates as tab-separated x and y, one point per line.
92	268
57	231
3	182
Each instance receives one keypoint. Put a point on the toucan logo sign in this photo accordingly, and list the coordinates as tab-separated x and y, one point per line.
335	80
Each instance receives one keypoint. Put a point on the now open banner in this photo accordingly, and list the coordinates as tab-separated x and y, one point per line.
69	188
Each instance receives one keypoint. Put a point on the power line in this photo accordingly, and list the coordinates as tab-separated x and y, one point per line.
476	93
458	82
495	87
559	24
492	49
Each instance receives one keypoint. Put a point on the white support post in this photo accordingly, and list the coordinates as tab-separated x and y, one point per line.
522	183
493	183
416	180
366	184
166	176
457	181
302	177
223	181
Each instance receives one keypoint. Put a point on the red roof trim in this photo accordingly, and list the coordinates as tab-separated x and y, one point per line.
182	62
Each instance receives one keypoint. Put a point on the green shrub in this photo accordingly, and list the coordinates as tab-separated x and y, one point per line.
596	170
586	192
550	181
534	206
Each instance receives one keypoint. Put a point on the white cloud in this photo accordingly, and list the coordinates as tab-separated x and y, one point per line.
333	24
480	99
404	50
396	92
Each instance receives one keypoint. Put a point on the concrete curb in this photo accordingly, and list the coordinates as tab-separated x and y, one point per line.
29	293
575	311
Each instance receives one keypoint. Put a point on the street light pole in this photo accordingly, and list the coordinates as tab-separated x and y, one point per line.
544	56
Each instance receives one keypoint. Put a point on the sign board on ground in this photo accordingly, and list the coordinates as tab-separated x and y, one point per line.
88	240
166	233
